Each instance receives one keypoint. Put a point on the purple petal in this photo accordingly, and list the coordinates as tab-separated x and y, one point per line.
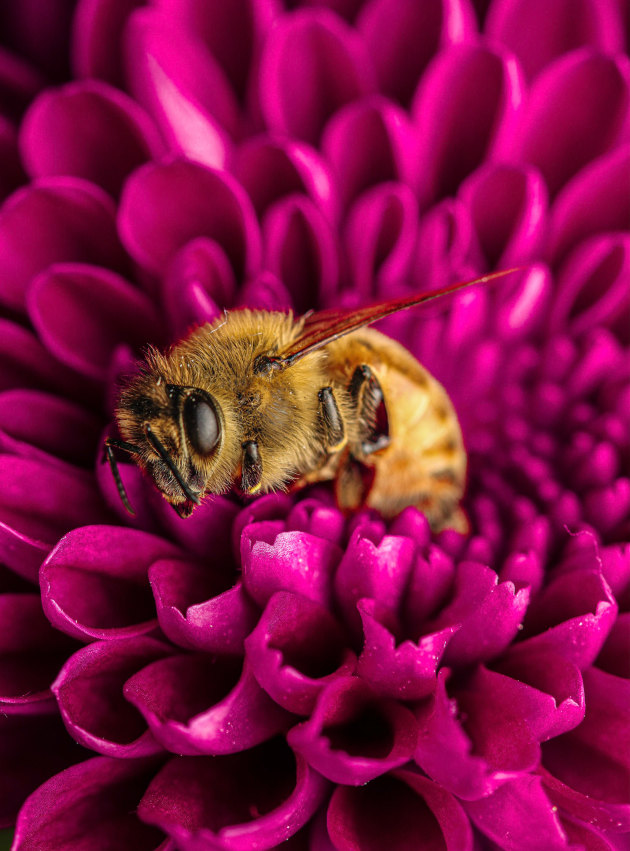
317	518
265	292
447	245
94	583
33	518
386	149
352	737
591	288
57	219
403	37
11	171
381	233
594	200
613	657
271	169
197	609
275	560
167	205
404	670
83	312
538	32
204	532
396	811
199	283
203	704
521	813
191	101
593	92
47	428
572	618
295	650
256	798
301	250
97	38
89	690
464	110
89	130
31	653
95	800
508	207
312	64
523	302
479	599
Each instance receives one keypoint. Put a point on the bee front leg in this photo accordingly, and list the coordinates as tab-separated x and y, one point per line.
367	395
334	429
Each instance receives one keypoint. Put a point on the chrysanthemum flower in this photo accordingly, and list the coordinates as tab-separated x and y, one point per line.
274	674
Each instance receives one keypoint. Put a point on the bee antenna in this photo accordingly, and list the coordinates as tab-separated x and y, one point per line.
113	465
161	451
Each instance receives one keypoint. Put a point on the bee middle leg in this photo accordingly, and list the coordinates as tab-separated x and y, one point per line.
365	390
334	429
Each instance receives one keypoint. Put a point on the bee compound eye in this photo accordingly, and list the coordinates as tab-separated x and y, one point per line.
201	424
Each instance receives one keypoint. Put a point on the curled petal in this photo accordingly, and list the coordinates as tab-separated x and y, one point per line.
464	111
508	207
39	503
296	649
593	92
89	691
300	249
567	26
83	312
89	130
613	657
94	583
197	608
595	200
202	704
96	800
385	153
520	810
275	560
261	796
265	292
380	239
164	206
203	533
97	39
31	653
591	288
447	245
45	427
402	38
55	220
521	306
317	518
312	64
351	737
404	670
270	169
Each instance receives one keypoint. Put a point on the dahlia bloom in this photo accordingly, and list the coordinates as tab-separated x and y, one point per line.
274	673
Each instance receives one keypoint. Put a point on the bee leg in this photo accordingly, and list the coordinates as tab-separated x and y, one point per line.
367	395
251	465
335	431
353	483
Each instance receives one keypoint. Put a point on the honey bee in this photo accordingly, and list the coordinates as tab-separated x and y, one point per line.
261	400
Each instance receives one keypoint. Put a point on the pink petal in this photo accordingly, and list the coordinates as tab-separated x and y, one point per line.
197	609
265	292
258	797
312	64
301	250
539	32
447	246
296	649
592	91
464	111
89	130
270	168
594	200
83	312
95	800
165	206
386	152
89	690
94	583
55	220
403	37
97	39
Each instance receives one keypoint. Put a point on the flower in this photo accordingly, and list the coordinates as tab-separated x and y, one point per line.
275	673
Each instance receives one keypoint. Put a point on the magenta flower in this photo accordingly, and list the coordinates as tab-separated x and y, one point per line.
272	673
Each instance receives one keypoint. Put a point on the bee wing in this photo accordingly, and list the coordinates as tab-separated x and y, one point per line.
325	326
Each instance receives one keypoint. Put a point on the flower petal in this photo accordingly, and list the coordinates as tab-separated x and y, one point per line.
97	39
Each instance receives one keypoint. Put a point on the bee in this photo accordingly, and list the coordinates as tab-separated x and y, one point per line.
261	400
